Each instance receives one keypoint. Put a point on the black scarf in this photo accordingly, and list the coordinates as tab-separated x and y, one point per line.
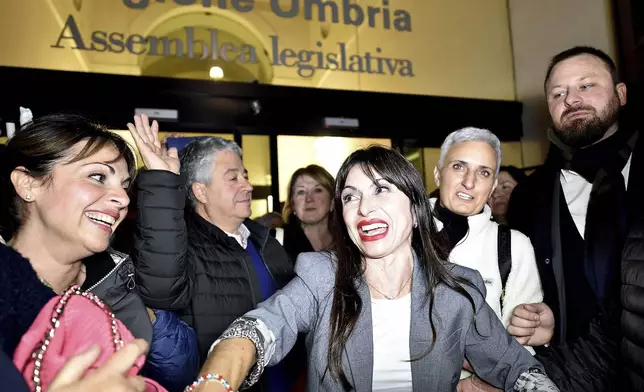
455	226
601	164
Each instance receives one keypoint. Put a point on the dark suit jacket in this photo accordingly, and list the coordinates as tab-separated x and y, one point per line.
590	362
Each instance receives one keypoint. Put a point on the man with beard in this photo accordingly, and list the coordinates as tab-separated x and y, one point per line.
577	210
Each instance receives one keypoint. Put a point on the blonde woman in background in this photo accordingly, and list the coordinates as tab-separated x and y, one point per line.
307	211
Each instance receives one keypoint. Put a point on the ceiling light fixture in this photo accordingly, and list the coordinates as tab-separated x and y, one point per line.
216	72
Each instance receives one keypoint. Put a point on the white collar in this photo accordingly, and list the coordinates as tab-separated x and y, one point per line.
242	237
478	222
569	175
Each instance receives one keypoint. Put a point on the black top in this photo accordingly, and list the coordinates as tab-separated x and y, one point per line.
455	226
295	241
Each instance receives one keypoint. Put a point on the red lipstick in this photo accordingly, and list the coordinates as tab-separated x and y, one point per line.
375	233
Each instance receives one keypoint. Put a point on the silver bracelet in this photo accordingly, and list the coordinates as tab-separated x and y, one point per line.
246	328
208	378
534	380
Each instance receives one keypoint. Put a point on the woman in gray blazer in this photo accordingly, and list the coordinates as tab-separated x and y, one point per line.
383	311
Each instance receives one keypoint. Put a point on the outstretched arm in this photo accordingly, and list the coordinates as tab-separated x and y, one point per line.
265	335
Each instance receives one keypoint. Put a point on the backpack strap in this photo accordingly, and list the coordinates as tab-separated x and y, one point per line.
504	248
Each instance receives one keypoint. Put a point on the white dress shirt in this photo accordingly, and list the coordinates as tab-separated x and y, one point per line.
242	237
577	192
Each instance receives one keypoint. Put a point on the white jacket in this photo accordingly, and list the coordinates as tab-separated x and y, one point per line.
478	250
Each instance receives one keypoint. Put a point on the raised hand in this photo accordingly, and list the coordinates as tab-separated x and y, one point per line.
156	156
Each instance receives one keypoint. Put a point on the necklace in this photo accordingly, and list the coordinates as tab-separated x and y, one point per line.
395	296
43	281
75	282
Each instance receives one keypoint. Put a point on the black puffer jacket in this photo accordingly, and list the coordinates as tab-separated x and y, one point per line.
191	266
110	276
633	308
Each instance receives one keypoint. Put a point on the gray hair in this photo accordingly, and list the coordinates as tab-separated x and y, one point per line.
471	134
197	160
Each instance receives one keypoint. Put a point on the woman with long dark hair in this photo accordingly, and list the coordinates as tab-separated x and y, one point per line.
384	311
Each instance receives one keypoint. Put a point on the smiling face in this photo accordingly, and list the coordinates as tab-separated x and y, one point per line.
226	200
311	201
583	100
466	179
377	215
81	204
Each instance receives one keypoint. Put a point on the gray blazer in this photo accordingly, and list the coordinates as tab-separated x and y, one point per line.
304	306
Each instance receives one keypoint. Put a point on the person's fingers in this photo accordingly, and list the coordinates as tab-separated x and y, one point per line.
526	314
522	340
140	129
523	323
123	359
136	383
138	140
148	130
540	308
520	332
76	366
535	308
480	385
173	152
155	133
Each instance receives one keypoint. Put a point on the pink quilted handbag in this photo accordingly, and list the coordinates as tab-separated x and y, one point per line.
68	325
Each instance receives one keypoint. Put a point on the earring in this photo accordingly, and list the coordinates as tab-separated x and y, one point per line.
28	197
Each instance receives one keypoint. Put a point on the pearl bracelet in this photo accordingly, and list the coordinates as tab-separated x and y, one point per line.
207	378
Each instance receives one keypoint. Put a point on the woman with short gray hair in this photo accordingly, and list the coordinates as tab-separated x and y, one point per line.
467	173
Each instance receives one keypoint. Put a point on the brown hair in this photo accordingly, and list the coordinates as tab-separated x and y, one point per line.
319	174
41	145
